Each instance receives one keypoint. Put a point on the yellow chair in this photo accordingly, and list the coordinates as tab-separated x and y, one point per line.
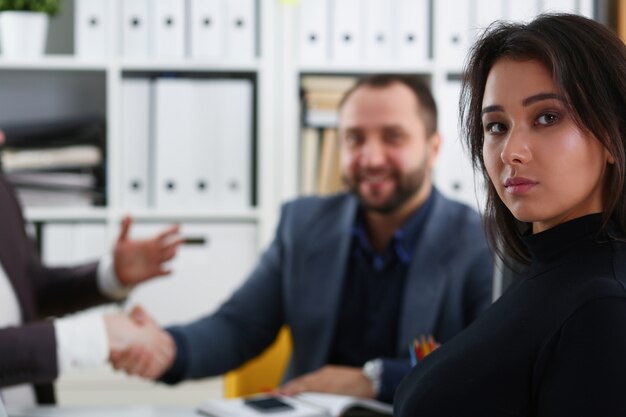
262	373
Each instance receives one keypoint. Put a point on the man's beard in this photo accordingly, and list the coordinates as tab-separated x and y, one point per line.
406	188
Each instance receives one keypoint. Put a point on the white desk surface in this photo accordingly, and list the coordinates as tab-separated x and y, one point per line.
107	411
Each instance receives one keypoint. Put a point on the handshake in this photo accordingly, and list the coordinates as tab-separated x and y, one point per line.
137	345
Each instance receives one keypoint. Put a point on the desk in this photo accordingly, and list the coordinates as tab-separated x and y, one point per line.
104	411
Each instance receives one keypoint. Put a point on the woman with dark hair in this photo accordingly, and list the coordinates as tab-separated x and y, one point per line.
543	106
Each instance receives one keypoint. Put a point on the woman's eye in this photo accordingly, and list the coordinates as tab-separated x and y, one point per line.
495	128
547	119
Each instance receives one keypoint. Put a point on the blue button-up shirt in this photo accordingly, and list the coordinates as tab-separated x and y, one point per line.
372	297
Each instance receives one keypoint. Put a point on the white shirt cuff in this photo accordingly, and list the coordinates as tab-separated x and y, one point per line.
82	341
108	283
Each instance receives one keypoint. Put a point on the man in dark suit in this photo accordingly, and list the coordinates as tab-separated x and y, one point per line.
356	276
35	350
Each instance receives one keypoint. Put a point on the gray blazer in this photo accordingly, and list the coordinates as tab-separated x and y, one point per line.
299	281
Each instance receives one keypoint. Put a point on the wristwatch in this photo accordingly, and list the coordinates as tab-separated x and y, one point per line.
373	370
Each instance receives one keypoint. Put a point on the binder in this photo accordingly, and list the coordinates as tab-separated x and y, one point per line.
377	30
91	25
173	132
585	8
234	135
206	26
411	31
522	11
347	31
560	6
168	21
136	121
241	30
313	23
72	243
486	12
204	275
57	244
90	242
453	171
135	28
205	140
453	35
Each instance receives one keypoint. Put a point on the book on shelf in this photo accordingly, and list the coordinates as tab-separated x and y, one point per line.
307	404
320	167
322	96
309	155
329	178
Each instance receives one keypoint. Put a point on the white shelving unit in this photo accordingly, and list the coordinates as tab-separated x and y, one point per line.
99	88
441	68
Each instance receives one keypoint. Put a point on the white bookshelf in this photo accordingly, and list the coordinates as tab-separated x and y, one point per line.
103	77
453	173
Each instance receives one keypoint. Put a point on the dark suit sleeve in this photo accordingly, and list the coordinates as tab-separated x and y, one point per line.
585	373
60	291
28	354
241	328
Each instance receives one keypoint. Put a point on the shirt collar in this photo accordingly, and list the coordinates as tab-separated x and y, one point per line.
402	243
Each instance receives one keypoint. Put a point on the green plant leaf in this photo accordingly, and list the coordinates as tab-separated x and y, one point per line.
50	7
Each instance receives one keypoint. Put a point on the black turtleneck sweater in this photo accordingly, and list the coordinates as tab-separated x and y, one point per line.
553	345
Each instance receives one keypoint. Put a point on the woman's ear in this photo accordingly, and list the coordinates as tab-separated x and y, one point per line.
609	158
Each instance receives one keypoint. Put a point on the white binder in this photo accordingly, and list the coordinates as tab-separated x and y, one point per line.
560	6
486	12
204	275
347	31
241	30
522	11
377	31
91	28
65	244
235	144
585	8
206	26
454	175
173	132
313	23
453	34
411	31
90	242
204	141
135	28
136	121
57	244
168	21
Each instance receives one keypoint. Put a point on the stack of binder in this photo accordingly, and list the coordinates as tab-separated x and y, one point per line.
187	143
169	29
56	162
355	31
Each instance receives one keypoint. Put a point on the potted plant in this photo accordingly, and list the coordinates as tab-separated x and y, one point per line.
24	26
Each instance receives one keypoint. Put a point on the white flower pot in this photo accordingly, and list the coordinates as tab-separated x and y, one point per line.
23	34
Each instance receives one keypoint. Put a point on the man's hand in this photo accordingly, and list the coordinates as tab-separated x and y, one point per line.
332	379
135	261
138	345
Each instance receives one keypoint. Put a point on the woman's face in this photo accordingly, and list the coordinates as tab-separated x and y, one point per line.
544	168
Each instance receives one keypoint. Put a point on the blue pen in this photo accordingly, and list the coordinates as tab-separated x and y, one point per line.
412	354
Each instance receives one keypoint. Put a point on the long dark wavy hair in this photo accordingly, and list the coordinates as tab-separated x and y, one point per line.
588	64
